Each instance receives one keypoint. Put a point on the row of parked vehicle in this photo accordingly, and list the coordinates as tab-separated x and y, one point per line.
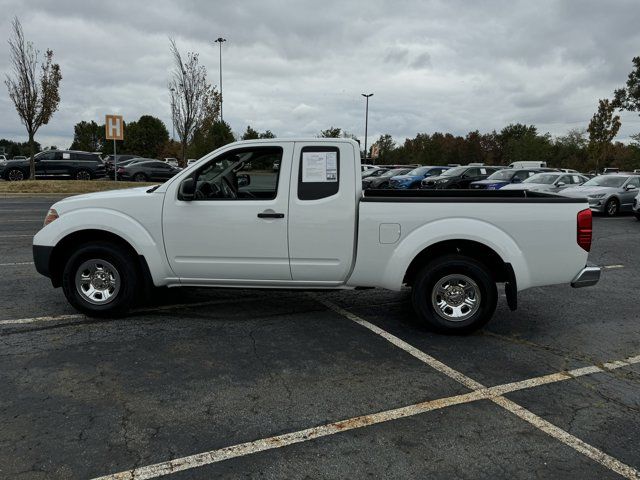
77	165
610	193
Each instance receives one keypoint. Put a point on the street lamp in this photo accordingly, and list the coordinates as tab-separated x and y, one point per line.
173	115
219	41
366	123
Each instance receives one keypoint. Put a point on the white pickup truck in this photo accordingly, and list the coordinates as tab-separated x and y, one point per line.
308	225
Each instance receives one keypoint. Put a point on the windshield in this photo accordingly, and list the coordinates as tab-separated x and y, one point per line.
543	178
419	171
454	172
394	172
606	181
502	175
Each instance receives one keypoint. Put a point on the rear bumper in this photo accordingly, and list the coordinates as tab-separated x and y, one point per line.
42	258
589	276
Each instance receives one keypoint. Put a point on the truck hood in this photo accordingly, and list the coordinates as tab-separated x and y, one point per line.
105	199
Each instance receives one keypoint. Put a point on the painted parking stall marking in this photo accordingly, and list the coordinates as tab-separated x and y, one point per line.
485	393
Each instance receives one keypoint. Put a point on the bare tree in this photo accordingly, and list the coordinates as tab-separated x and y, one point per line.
193	100
35	97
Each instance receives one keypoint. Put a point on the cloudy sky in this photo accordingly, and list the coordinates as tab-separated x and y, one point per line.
298	67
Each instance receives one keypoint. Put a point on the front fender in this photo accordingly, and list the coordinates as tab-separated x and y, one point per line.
455	229
117	223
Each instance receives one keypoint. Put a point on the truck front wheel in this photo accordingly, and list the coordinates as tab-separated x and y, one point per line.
454	294
100	280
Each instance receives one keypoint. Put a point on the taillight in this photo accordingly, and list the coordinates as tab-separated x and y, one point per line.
585	231
120	170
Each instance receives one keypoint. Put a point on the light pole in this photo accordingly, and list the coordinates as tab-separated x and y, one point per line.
173	117
219	41
366	123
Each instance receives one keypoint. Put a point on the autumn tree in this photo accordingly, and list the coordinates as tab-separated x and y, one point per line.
384	146
35	95
209	137
603	128
628	97
193	99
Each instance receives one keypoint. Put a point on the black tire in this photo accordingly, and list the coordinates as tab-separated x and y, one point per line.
612	207
424	295
126	269
139	177
83	175
15	175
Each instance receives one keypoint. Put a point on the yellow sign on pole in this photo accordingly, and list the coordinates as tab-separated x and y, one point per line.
114	127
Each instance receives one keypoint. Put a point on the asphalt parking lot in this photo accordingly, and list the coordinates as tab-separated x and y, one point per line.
269	384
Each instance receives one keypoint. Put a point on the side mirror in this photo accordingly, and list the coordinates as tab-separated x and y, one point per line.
187	191
561	184
244	180
630	187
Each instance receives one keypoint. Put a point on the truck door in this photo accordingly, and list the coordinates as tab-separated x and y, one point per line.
322	211
232	234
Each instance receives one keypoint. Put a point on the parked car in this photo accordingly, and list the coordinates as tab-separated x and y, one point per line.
311	230
548	182
458	177
3	158
58	164
610	170
191	161
19	157
609	194
413	178
367	166
528	164
499	179
567	170
171	161
382	180
127	162
109	162
374	172
636	206
148	171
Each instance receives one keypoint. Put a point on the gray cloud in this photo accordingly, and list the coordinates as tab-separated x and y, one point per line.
296	68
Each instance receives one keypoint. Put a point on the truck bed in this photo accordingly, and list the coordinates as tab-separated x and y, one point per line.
465	196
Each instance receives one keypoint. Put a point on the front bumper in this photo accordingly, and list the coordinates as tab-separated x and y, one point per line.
597	204
588	276
42	259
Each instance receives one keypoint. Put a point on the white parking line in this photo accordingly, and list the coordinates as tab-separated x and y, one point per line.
13	236
565	437
51	318
10	264
491	393
611	267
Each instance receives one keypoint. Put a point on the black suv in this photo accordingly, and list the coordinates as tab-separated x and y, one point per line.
459	177
61	164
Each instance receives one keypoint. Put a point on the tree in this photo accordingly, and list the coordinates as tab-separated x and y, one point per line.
250	134
267	134
146	137
12	149
521	142
332	132
193	99
36	98
603	128
88	136
384	145
210	137
628	98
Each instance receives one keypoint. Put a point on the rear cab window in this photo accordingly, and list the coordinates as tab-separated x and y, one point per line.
318	172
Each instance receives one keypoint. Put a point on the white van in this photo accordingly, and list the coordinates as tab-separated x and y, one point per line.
528	165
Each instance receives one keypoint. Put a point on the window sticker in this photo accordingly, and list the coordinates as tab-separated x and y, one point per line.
319	167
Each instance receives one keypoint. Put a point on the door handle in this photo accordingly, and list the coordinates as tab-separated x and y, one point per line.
270	215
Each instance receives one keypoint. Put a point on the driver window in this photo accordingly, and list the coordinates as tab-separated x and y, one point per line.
243	174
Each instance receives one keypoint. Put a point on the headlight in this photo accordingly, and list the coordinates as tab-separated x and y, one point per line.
596	195
51	216
443	181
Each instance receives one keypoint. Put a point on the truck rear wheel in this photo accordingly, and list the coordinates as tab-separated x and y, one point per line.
100	280
454	294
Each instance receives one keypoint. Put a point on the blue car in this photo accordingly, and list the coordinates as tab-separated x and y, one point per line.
505	177
414	177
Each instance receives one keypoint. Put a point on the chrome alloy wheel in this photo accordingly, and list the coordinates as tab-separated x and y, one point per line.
83	175
455	297
612	208
97	281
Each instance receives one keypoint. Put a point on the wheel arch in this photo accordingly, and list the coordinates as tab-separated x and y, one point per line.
65	246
